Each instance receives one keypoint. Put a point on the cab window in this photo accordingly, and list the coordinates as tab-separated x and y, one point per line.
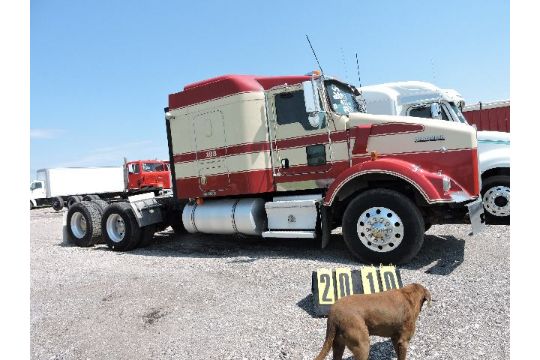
133	168
342	98
290	109
36	185
425	112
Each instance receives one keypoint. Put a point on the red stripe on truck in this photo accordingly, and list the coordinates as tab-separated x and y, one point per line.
238	183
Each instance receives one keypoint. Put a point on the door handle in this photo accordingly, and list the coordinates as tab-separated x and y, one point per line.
284	163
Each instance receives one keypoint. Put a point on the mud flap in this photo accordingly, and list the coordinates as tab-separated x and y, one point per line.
477	216
325	226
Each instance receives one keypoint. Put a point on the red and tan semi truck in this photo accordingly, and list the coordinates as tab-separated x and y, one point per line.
295	157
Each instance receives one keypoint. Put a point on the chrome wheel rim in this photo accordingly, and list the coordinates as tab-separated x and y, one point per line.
380	229
497	200
78	225
116	228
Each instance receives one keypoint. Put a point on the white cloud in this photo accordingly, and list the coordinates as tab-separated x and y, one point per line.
45	133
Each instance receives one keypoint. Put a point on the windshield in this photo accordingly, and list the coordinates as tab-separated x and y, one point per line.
458	113
151	167
342	97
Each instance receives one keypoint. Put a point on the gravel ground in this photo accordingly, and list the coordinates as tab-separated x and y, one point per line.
215	297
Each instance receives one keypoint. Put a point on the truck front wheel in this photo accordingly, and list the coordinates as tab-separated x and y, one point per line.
120	229
496	199
383	226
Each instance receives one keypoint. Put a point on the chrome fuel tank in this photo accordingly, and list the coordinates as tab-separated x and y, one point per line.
228	216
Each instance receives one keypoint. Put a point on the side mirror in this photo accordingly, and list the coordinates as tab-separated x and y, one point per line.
311	97
436	111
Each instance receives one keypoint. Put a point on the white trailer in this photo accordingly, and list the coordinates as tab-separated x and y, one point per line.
425	100
66	186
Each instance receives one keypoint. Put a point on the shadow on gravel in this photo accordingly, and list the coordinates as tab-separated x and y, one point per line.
244	249
443	253
306	304
445	250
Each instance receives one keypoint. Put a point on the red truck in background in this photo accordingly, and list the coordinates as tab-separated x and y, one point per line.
492	116
148	174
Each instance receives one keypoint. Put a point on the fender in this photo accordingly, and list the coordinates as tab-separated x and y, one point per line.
424	181
496	158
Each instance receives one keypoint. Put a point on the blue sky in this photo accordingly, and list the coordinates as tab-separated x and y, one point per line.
101	70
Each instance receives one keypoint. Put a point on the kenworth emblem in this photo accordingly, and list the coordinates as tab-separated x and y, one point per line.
429	138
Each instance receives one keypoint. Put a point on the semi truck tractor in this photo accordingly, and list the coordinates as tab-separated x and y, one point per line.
59	187
425	100
294	157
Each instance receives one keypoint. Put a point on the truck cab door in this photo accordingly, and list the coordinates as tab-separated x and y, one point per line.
300	141
134	170
37	190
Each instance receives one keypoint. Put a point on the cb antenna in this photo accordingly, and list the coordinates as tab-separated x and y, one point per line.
362	100
314	54
358	70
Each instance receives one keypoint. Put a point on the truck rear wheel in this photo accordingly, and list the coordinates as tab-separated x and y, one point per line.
101	203
84	224
120	229
383	226
72	200
90	197
496	199
57	203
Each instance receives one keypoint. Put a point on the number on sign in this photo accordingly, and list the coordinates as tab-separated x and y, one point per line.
344	282
370	282
389	278
326	287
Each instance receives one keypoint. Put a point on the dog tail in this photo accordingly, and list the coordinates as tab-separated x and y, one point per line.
330	334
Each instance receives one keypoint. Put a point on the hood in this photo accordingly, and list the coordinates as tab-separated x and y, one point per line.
453	135
496	137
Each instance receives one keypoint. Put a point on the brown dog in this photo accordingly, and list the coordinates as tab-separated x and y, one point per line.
391	313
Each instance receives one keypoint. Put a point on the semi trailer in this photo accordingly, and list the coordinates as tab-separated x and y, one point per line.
294	157
489	116
422	99
59	187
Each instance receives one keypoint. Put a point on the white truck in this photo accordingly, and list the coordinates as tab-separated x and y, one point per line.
66	186
425	100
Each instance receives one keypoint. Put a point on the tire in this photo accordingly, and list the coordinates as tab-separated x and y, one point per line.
90	197
174	219
120	229
496	199
57	203
84	224
101	206
101	203
74	199
147	235
392	242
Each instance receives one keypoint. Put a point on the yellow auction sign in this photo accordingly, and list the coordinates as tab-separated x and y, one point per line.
329	285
